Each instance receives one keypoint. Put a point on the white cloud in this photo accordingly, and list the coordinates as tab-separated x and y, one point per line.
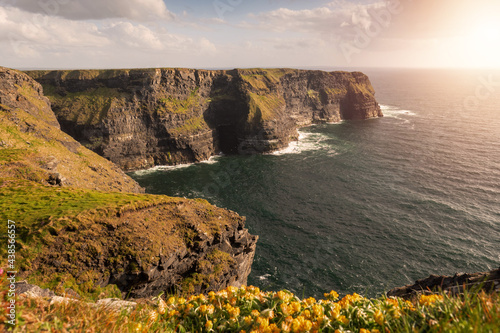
125	33
140	10
336	20
207	46
42	40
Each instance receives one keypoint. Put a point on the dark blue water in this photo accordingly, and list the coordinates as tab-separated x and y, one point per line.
365	206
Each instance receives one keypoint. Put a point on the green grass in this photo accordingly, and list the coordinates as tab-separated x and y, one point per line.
251	310
191	126
171	104
263	107
89	107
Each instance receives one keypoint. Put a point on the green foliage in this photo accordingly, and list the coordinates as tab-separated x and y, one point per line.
190	126
32	206
89	107
264	107
171	104
261	79
250	309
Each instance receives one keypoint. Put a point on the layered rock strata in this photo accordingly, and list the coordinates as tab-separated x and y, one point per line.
76	225
145	117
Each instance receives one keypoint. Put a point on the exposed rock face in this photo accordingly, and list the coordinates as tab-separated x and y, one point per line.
144	244
142	118
487	281
45	153
178	245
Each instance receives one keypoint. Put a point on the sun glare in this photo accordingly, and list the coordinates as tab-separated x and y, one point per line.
480	46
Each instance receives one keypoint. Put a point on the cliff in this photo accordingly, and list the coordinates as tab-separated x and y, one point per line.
458	284
34	148
145	117
82	223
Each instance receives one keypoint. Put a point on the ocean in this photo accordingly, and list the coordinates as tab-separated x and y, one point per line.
365	206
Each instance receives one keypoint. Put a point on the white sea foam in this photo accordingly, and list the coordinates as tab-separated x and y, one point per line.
264	277
395	112
211	160
307	142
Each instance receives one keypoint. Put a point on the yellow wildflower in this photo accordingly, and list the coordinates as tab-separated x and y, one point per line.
138	327
379	317
295	306
307	325
209	324
274	328
297	323
333	295
428	300
344	320
375	330
211	294
335	312
363	330
262	322
285	326
234	312
255	313
286	309
307	313
248	320
310	301
231	290
171	300
317	310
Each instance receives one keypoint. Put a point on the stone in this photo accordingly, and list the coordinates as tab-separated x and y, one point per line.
30	290
486	281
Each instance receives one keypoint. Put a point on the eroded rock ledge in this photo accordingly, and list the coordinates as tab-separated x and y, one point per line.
487	281
145	117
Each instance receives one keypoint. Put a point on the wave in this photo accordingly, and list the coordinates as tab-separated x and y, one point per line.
307	141
211	160
395	112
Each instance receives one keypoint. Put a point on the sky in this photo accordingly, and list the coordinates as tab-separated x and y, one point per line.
71	34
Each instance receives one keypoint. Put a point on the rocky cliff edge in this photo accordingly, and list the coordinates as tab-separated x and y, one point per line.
144	117
81	223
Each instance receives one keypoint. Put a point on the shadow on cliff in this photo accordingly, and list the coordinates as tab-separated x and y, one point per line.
227	112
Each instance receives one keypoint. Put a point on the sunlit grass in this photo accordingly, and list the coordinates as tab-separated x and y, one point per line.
248	309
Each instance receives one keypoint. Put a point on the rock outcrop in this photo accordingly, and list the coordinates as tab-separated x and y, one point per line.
145	117
82	223
172	245
487	281
31	141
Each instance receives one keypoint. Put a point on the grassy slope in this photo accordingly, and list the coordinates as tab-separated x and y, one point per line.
263	99
88	218
250	310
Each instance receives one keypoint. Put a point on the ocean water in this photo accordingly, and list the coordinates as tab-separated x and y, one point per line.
365	206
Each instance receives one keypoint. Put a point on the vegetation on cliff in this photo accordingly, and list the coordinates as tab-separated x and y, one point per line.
141	118
247	309
80	226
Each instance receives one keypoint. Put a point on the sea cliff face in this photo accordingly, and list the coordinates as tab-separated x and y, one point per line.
145	117
82	223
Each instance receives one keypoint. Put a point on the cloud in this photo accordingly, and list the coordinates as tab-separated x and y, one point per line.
34	36
335	20
139	10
